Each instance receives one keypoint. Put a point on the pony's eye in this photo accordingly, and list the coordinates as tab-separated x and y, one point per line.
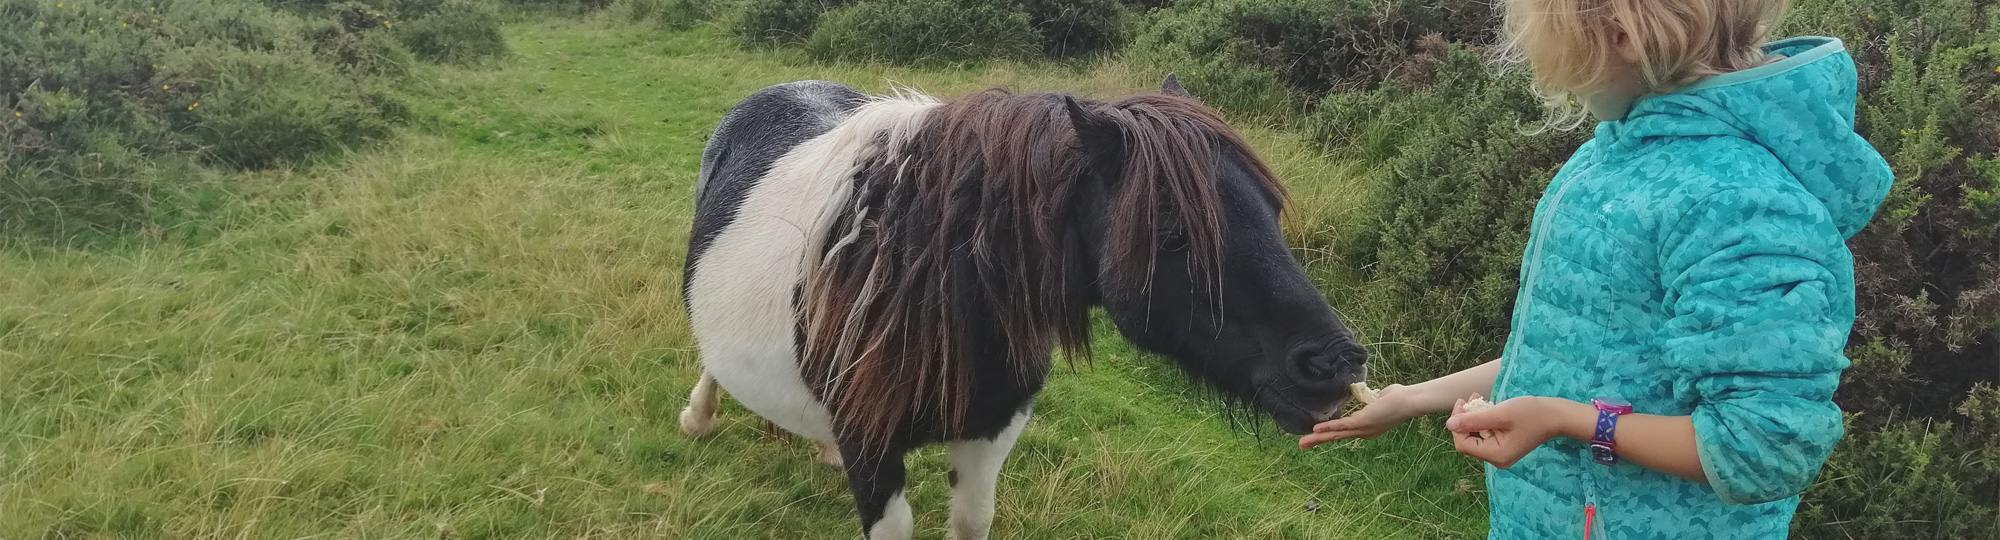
1173	241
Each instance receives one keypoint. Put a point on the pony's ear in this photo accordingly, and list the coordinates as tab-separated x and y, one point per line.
1100	137
1172	87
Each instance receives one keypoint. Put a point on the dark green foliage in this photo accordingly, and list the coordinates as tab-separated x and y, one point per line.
555	6
96	95
109	107
1056	27
912	31
667	14
1073	27
1259	55
1922	458
457	32
1461	175
777	22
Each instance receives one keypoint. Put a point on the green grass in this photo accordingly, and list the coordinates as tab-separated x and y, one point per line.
474	331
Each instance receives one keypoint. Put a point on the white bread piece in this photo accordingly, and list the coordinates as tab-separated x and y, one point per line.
1363	393
1477	404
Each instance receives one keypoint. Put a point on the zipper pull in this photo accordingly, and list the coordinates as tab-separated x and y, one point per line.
1589	519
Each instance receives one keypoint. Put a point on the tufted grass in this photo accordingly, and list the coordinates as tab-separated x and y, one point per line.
474	331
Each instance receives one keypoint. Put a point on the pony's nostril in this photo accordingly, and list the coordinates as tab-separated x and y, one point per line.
1323	363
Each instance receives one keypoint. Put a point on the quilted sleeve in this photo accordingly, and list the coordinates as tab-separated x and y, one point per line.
1759	287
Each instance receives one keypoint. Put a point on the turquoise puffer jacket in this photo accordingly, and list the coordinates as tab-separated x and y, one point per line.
1692	259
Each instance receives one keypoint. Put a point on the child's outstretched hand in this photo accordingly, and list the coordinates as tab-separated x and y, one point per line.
1505	433
1391	407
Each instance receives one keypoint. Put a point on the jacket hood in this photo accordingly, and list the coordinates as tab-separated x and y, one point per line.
1801	108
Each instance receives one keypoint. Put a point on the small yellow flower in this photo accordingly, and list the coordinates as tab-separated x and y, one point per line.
165	87
1871	16
17	114
196	104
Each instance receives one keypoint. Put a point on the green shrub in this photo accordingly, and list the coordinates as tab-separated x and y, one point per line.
1056	27
1262	53
776	22
103	99
667	14
911	31
1460	178
1073	27
1911	477
555	6
455	32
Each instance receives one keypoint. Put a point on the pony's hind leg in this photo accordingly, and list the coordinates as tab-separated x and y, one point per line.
876	477
975	469
698	419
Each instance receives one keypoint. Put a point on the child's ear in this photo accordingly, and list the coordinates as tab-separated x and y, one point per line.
1628	48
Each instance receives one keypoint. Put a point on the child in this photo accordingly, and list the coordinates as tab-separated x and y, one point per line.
1686	292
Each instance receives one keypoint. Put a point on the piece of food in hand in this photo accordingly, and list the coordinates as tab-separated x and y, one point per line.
1477	404
1363	393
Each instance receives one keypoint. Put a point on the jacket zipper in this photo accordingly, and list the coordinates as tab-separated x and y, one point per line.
1535	270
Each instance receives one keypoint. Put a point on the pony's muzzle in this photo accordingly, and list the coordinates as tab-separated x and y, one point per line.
1340	363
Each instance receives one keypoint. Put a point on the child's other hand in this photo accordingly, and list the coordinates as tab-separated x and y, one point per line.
1505	433
1391	407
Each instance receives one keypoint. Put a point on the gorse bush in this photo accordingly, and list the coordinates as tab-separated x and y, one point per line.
912	31
106	102
1055	27
1922	456
456	32
1460	178
1073	27
667	14
776	22
1262	55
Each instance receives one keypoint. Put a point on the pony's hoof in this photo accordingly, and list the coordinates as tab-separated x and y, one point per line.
696	423
830	455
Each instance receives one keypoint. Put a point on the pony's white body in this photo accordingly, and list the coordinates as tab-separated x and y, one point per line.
741	293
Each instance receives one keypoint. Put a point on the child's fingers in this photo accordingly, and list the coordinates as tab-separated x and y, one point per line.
1487	420
1316	439
1332	425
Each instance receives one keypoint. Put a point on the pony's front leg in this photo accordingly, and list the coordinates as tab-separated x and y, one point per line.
876	477
975	469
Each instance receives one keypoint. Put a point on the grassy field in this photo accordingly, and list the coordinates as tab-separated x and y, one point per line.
474	331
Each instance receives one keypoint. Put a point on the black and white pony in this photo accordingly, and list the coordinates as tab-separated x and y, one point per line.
879	273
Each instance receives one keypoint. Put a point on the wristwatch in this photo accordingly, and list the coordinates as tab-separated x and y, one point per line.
1603	444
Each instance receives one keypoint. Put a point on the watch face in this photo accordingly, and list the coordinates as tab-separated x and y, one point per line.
1612	404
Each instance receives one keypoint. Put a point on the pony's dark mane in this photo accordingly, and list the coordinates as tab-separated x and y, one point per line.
964	241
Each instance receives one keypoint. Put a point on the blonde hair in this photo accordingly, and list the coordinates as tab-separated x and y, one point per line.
1571	44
